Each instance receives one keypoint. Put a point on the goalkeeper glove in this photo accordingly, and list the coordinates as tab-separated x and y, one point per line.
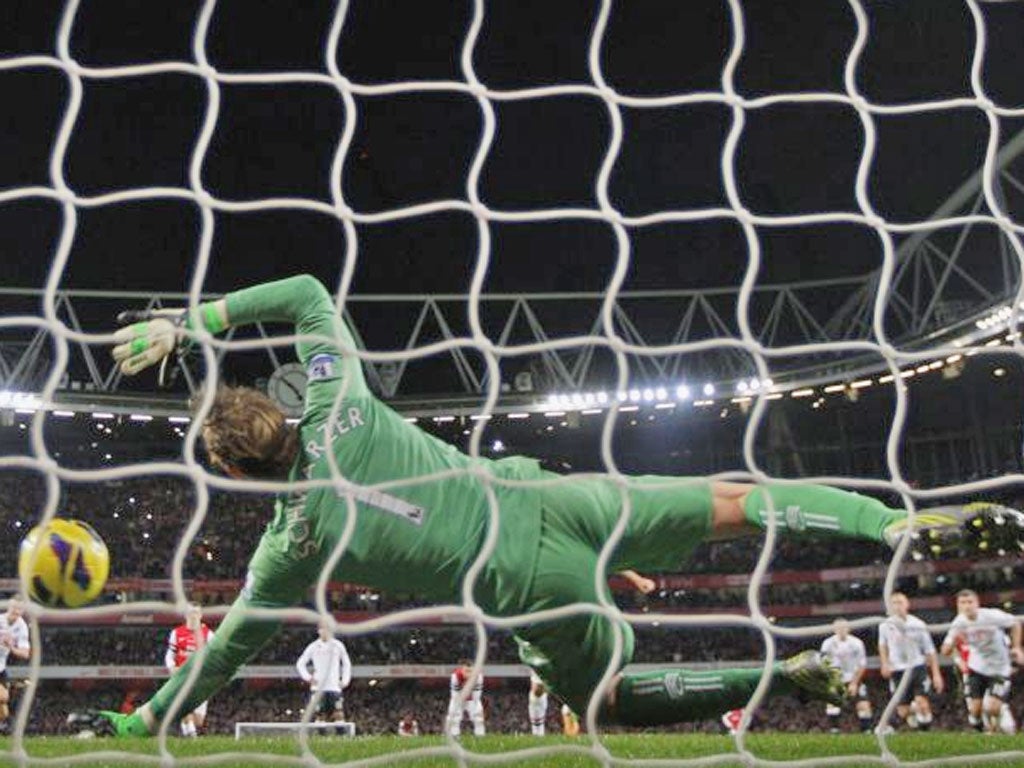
141	345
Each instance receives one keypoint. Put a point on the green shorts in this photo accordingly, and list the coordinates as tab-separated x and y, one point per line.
669	518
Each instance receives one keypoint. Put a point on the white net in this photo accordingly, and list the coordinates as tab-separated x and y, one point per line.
354	104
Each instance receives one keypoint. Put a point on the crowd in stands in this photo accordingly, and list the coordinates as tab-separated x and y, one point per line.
144	646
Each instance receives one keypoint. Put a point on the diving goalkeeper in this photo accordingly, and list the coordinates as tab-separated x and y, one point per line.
421	535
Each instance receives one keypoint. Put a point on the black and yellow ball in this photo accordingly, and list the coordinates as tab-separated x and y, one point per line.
63	563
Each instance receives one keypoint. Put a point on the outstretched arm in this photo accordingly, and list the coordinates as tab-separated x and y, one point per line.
274	581
301	300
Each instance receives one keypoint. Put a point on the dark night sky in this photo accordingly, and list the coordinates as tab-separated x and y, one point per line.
278	140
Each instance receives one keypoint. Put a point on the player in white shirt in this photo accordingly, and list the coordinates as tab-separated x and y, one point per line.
14	641
989	657
537	705
468	701
906	649
332	672
848	653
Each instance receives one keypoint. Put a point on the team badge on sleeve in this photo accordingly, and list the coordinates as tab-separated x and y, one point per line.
323	367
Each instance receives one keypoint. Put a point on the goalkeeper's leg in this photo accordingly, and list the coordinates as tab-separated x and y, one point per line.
572	655
964	529
671	516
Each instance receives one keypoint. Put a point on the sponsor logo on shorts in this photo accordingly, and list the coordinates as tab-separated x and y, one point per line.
675	685
795	519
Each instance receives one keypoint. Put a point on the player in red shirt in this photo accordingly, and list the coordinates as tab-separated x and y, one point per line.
469	701
408	725
184	640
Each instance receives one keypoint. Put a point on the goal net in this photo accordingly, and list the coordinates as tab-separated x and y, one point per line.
730	205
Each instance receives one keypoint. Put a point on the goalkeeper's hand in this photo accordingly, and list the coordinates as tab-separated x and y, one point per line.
141	345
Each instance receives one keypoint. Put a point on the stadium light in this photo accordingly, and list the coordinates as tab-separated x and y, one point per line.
102	416
709	390
683	392
63	414
25	401
602	397
140	417
660	393
634	395
518	416
802	393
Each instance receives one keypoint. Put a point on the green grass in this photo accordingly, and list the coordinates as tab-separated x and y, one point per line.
517	750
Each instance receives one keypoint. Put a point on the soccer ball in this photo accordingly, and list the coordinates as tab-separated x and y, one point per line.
63	563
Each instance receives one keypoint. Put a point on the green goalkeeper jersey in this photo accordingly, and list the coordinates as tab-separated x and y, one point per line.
419	536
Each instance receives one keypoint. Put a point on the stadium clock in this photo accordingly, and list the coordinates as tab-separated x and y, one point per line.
287	387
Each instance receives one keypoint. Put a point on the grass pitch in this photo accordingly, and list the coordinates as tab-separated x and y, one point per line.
969	749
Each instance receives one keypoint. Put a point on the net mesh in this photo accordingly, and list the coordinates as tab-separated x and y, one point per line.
624	227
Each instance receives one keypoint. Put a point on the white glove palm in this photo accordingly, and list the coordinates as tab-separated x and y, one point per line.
141	345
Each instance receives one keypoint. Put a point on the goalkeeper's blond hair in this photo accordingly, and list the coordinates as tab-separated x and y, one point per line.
246	433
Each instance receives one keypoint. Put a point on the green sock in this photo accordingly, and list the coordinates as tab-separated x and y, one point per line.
679	695
820	509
